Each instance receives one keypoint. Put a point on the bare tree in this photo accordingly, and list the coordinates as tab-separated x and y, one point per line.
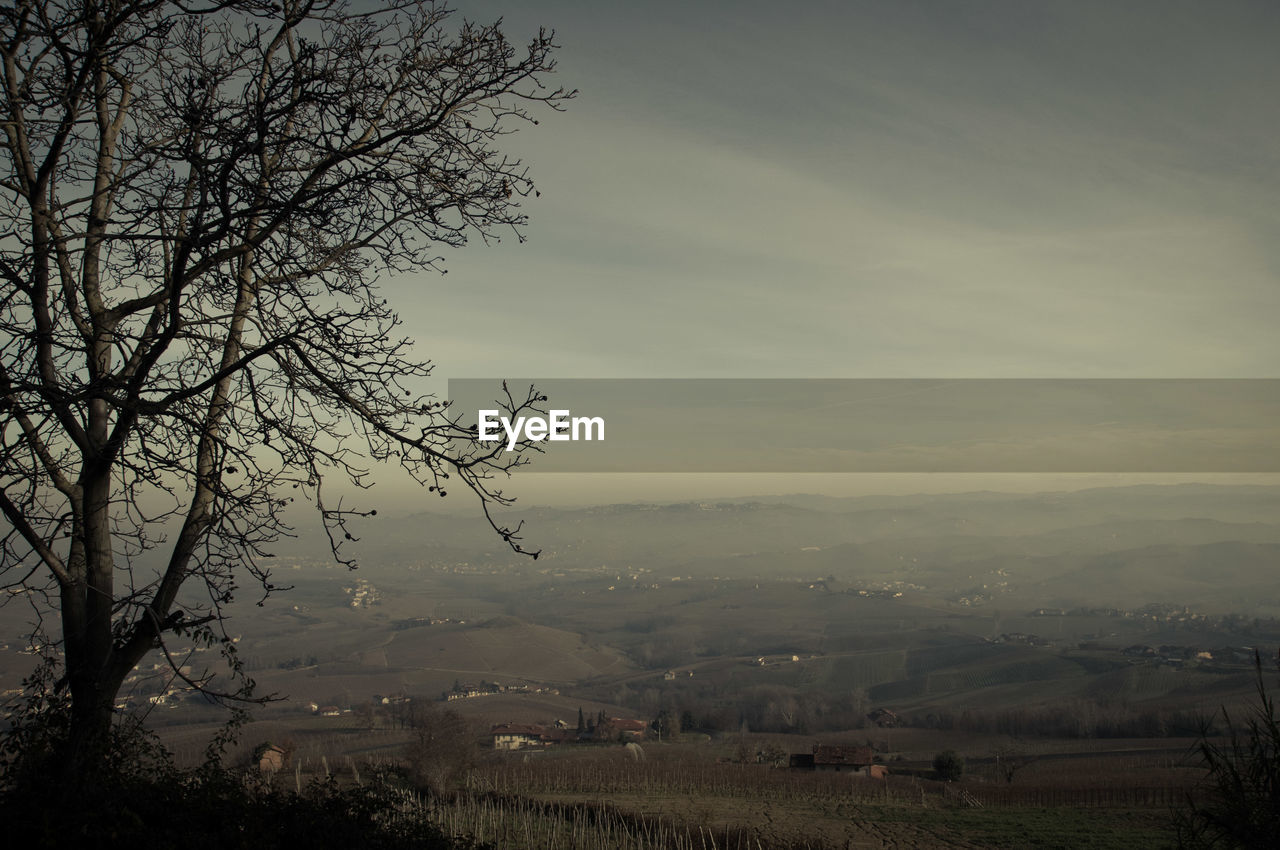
1011	759
196	200
443	747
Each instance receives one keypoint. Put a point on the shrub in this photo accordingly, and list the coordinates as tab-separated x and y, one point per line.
1240	806
948	765
136	797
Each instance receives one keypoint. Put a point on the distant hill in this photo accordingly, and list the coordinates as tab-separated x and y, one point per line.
1115	540
506	648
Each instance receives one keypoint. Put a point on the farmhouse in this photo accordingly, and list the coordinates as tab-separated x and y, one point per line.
271	758
839	758
883	717
513	736
517	736
621	727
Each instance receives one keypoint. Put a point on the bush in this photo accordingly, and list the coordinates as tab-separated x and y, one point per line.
1240	806
217	811
136	797
948	765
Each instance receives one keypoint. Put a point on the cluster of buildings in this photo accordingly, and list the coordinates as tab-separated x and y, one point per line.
363	594
1177	655
469	691
519	736
392	700
1022	638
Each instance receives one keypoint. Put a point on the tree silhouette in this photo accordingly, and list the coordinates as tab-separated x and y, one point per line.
1240	804
442	749
948	765
196	201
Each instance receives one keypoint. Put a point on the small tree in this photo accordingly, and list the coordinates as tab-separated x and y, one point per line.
663	725
1240	805
443	748
1010	760
196	199
948	765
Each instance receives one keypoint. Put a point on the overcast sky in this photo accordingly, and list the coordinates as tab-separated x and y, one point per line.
884	189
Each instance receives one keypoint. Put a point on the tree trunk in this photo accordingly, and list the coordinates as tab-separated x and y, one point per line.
88	743
87	638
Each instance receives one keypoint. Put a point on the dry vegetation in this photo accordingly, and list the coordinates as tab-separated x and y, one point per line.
685	797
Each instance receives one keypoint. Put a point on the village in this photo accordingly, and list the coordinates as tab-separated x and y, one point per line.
823	757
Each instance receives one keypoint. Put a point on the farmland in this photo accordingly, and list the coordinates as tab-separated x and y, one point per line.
1035	636
689	796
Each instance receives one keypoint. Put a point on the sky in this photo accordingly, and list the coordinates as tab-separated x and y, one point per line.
883	190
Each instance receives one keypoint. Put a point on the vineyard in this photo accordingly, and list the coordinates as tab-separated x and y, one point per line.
613	801
522	823
671	798
1050	785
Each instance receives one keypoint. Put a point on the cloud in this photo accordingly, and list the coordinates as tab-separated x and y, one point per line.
866	189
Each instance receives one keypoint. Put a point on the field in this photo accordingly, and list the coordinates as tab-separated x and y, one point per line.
1035	636
685	796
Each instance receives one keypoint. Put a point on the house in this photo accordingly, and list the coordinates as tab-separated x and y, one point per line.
621	727
514	736
563	735
883	717
838	758
517	736
841	758
271	758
